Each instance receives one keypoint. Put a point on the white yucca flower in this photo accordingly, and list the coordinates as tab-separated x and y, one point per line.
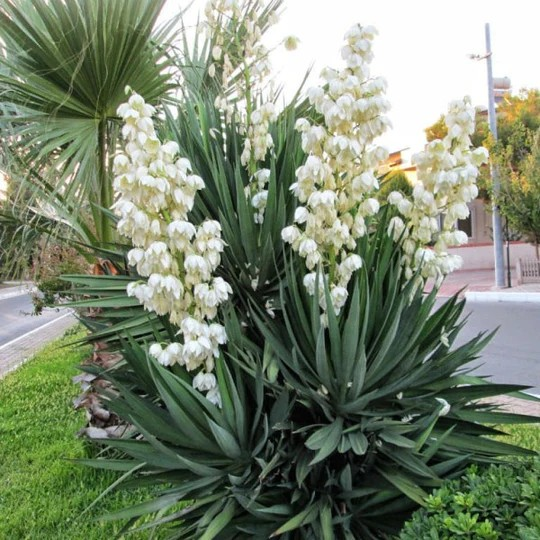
156	192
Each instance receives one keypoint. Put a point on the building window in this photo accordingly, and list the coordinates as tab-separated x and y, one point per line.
466	225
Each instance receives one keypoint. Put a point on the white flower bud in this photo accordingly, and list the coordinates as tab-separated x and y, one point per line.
301	125
445	409
352	263
213	396
306	247
460	238
480	156
204	381
301	215
395	197
155	350
404	206
458	211
396	228
216	52
339	297
370	207
291	43
260	199
309	283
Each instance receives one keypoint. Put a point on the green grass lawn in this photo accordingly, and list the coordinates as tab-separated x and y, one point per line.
42	493
527	436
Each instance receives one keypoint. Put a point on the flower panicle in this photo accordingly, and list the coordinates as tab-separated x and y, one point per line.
245	70
427	222
157	192
337	184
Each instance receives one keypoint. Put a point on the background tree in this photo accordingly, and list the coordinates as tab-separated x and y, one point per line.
394	181
521	111
519	199
438	130
519	114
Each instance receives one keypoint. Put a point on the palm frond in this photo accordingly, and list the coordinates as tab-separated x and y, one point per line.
65	66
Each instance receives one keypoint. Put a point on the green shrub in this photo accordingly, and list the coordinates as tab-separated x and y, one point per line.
501	502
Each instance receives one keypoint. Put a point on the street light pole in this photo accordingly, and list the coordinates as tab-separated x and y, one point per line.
496	216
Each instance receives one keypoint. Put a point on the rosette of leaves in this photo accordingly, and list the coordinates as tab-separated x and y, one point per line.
336	431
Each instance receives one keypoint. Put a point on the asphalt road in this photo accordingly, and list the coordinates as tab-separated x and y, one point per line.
15	318
513	355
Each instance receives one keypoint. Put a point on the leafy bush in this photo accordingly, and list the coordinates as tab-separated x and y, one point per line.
501	502
54	260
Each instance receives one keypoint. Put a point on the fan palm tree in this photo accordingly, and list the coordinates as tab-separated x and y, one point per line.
63	72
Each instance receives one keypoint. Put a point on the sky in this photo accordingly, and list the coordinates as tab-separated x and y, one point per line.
422	51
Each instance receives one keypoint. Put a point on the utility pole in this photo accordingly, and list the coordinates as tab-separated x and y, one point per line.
496	221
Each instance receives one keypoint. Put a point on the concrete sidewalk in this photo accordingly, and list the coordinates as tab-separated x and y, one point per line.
479	286
518	406
21	349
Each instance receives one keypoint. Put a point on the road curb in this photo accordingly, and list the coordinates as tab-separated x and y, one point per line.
10	292
502	296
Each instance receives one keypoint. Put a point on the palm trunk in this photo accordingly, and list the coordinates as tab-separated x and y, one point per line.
100	422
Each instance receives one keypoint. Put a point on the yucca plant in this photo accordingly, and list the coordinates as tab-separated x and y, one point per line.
287	292
252	254
336	432
196	124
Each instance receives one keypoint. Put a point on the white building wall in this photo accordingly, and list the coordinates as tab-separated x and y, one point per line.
481	257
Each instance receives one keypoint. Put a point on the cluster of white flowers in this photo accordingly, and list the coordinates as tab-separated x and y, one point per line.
336	185
447	172
156	193
245	64
226	21
259	140
258	194
257	143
